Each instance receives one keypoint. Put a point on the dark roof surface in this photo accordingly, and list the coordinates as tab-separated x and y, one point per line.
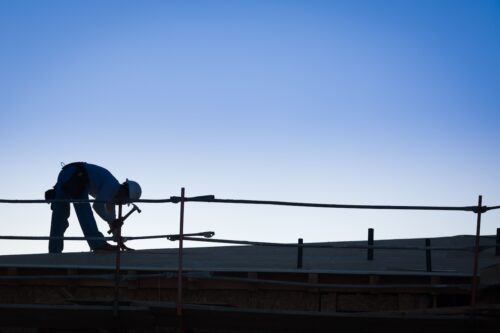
264	258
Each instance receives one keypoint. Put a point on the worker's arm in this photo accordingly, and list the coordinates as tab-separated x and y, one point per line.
114	230
104	209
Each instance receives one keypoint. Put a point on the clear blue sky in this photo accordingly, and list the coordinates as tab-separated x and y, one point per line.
360	102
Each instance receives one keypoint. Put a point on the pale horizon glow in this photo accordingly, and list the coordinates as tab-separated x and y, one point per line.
358	102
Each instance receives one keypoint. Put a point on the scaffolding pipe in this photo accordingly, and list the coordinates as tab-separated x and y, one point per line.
211	198
476	254
330	246
179	272
118	263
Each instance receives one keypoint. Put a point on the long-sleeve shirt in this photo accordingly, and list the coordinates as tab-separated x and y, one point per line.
102	186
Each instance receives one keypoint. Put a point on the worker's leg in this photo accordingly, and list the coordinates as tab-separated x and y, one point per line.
59	222
87	222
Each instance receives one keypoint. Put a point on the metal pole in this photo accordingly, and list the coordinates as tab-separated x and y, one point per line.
370	243
179	270
428	257
118	263
299	253
497	243
476	251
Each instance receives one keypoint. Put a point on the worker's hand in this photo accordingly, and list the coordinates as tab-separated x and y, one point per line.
115	235
114	227
115	224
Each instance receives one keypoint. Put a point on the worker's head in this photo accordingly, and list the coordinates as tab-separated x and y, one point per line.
129	191
134	190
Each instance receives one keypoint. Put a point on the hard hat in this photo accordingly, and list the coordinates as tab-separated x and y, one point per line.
134	190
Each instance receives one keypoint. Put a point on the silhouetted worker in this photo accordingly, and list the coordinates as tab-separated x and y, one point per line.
76	181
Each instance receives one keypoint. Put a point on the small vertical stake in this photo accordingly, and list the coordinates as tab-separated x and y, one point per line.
179	271
300	249
118	263
476	251
428	257
497	250
370	244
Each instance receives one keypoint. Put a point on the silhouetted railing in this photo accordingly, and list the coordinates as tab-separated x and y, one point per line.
206	237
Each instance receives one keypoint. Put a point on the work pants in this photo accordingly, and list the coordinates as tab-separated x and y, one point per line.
61	212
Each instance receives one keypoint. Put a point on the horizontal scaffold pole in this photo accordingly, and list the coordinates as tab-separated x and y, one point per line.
212	199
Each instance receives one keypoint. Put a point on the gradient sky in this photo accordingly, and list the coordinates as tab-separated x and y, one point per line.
356	102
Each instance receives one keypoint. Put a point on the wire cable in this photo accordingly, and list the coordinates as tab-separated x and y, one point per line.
212	199
206	234
321	205
332	246
206	237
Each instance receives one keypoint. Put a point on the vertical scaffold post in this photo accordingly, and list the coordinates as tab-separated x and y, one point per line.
370	244
118	263
476	251
179	270
497	243
300	249
428	256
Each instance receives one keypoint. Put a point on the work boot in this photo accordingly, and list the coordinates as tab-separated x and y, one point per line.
105	247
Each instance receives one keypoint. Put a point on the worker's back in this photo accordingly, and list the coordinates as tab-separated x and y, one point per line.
102	184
